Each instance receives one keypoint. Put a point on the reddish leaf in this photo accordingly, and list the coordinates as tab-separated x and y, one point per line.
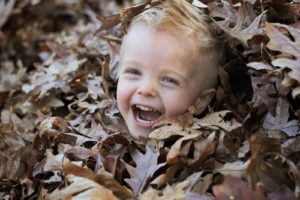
268	165
235	188
109	22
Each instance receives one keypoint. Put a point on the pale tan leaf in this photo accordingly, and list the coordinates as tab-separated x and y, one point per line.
203	148
238	31
82	188
169	193
259	66
5	10
175	150
237	169
217	120
285	39
296	92
103	178
173	130
54	162
146	165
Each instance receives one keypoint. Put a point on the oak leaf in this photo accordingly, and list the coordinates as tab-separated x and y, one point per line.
239	31
174	126
275	123
146	165
286	40
279	41
218	120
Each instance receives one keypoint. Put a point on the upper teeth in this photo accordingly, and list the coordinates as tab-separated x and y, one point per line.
145	108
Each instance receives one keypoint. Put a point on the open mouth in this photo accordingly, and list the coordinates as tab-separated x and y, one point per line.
146	115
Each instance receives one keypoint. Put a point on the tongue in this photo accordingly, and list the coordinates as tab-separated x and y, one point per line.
148	115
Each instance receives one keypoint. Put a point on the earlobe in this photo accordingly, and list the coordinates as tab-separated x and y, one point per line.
204	99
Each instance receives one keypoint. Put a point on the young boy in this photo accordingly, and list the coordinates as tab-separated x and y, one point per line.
169	61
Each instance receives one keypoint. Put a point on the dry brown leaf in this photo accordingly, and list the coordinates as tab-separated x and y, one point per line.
280	119
239	31
202	150
5	11
54	162
237	169
264	91
286	42
291	128
169	193
10	79
296	92
12	144
174	153
282	193
94	87
146	165
224	11
176	126
103	179
80	153
268	165
291	146
200	183
184	120
260	66
235	188
69	71
108	22
82	188
172	130
167	178
218	120
129	13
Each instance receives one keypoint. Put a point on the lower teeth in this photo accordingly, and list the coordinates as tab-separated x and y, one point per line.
144	121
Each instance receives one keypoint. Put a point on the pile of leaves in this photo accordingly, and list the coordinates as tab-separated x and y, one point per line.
62	136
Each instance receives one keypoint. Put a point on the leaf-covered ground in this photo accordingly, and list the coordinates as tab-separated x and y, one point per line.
62	136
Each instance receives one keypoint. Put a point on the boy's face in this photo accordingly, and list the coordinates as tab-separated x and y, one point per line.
160	76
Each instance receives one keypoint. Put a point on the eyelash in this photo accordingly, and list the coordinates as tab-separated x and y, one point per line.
133	72
170	80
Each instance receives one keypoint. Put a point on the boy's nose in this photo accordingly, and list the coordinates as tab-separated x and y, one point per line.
147	91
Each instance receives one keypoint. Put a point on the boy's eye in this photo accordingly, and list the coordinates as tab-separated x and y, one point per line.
133	72
169	80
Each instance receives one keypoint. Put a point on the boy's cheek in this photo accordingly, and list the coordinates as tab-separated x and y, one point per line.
122	98
174	108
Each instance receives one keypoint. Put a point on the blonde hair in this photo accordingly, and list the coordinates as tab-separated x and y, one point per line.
184	19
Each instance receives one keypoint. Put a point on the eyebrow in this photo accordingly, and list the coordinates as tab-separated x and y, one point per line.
136	63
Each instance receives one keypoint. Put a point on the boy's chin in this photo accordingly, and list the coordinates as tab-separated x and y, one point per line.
140	134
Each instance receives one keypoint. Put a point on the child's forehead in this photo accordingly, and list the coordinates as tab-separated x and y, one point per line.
154	34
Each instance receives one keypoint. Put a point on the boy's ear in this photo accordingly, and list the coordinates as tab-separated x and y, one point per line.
204	99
